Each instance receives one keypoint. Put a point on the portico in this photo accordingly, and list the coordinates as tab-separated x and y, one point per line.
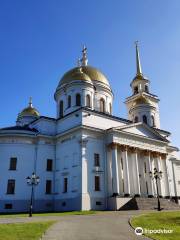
129	171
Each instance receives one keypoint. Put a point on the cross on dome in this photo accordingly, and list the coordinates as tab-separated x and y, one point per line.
84	60
30	102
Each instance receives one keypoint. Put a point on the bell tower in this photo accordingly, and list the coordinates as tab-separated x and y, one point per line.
142	105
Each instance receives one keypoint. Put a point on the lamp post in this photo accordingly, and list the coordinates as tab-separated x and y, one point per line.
32	181
156	175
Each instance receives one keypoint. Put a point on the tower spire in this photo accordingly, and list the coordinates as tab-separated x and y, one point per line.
84	59
138	63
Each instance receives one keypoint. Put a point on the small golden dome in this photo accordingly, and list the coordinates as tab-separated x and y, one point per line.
87	73
30	111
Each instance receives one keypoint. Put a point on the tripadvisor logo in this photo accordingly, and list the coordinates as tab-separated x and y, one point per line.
138	231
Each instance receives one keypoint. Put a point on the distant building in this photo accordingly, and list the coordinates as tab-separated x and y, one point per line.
85	157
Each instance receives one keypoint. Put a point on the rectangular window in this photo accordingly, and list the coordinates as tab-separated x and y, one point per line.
65	186
8	206
49	166
96	160
11	186
97	183
13	163
48	186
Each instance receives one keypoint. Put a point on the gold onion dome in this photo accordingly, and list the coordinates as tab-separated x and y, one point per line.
29	111
83	72
87	73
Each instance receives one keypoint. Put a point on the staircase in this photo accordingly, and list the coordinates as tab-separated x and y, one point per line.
142	203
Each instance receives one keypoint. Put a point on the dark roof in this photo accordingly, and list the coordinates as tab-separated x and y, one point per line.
20	128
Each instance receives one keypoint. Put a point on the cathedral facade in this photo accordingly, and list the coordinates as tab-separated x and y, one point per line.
85	157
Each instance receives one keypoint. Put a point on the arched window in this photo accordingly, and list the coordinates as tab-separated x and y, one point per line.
61	109
153	121
144	119
69	101
88	101
135	90
110	108
102	105
146	89
78	99
136	119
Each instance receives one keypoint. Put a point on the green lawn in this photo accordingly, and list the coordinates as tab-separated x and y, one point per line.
160	220
24	231
48	214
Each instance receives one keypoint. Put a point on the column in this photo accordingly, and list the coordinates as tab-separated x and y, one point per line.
86	203
83	98
115	172
164	181
149	179
165	173
126	173
137	184
92	100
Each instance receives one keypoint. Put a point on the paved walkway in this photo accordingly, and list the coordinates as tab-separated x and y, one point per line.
103	226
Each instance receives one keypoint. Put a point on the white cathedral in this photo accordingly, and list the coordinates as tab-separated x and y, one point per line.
85	157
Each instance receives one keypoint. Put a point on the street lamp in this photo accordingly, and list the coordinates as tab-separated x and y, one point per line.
32	181
156	175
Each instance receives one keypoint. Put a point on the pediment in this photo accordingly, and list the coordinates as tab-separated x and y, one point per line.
143	130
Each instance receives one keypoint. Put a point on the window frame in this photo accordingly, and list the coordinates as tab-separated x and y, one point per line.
78	99
61	108
88	101
136	119
96	159
97	183
65	185
69	101
48	186
49	165
11	184
13	165
102	105
145	119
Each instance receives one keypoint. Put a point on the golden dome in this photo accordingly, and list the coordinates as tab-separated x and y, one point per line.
87	73
77	74
29	111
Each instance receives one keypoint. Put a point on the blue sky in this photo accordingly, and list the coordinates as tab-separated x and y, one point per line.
41	39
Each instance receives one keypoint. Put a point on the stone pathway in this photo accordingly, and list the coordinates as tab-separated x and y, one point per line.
103	226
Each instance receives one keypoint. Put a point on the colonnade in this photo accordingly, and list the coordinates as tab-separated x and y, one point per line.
129	171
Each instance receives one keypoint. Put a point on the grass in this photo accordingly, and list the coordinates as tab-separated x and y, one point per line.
24	231
162	220
14	215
